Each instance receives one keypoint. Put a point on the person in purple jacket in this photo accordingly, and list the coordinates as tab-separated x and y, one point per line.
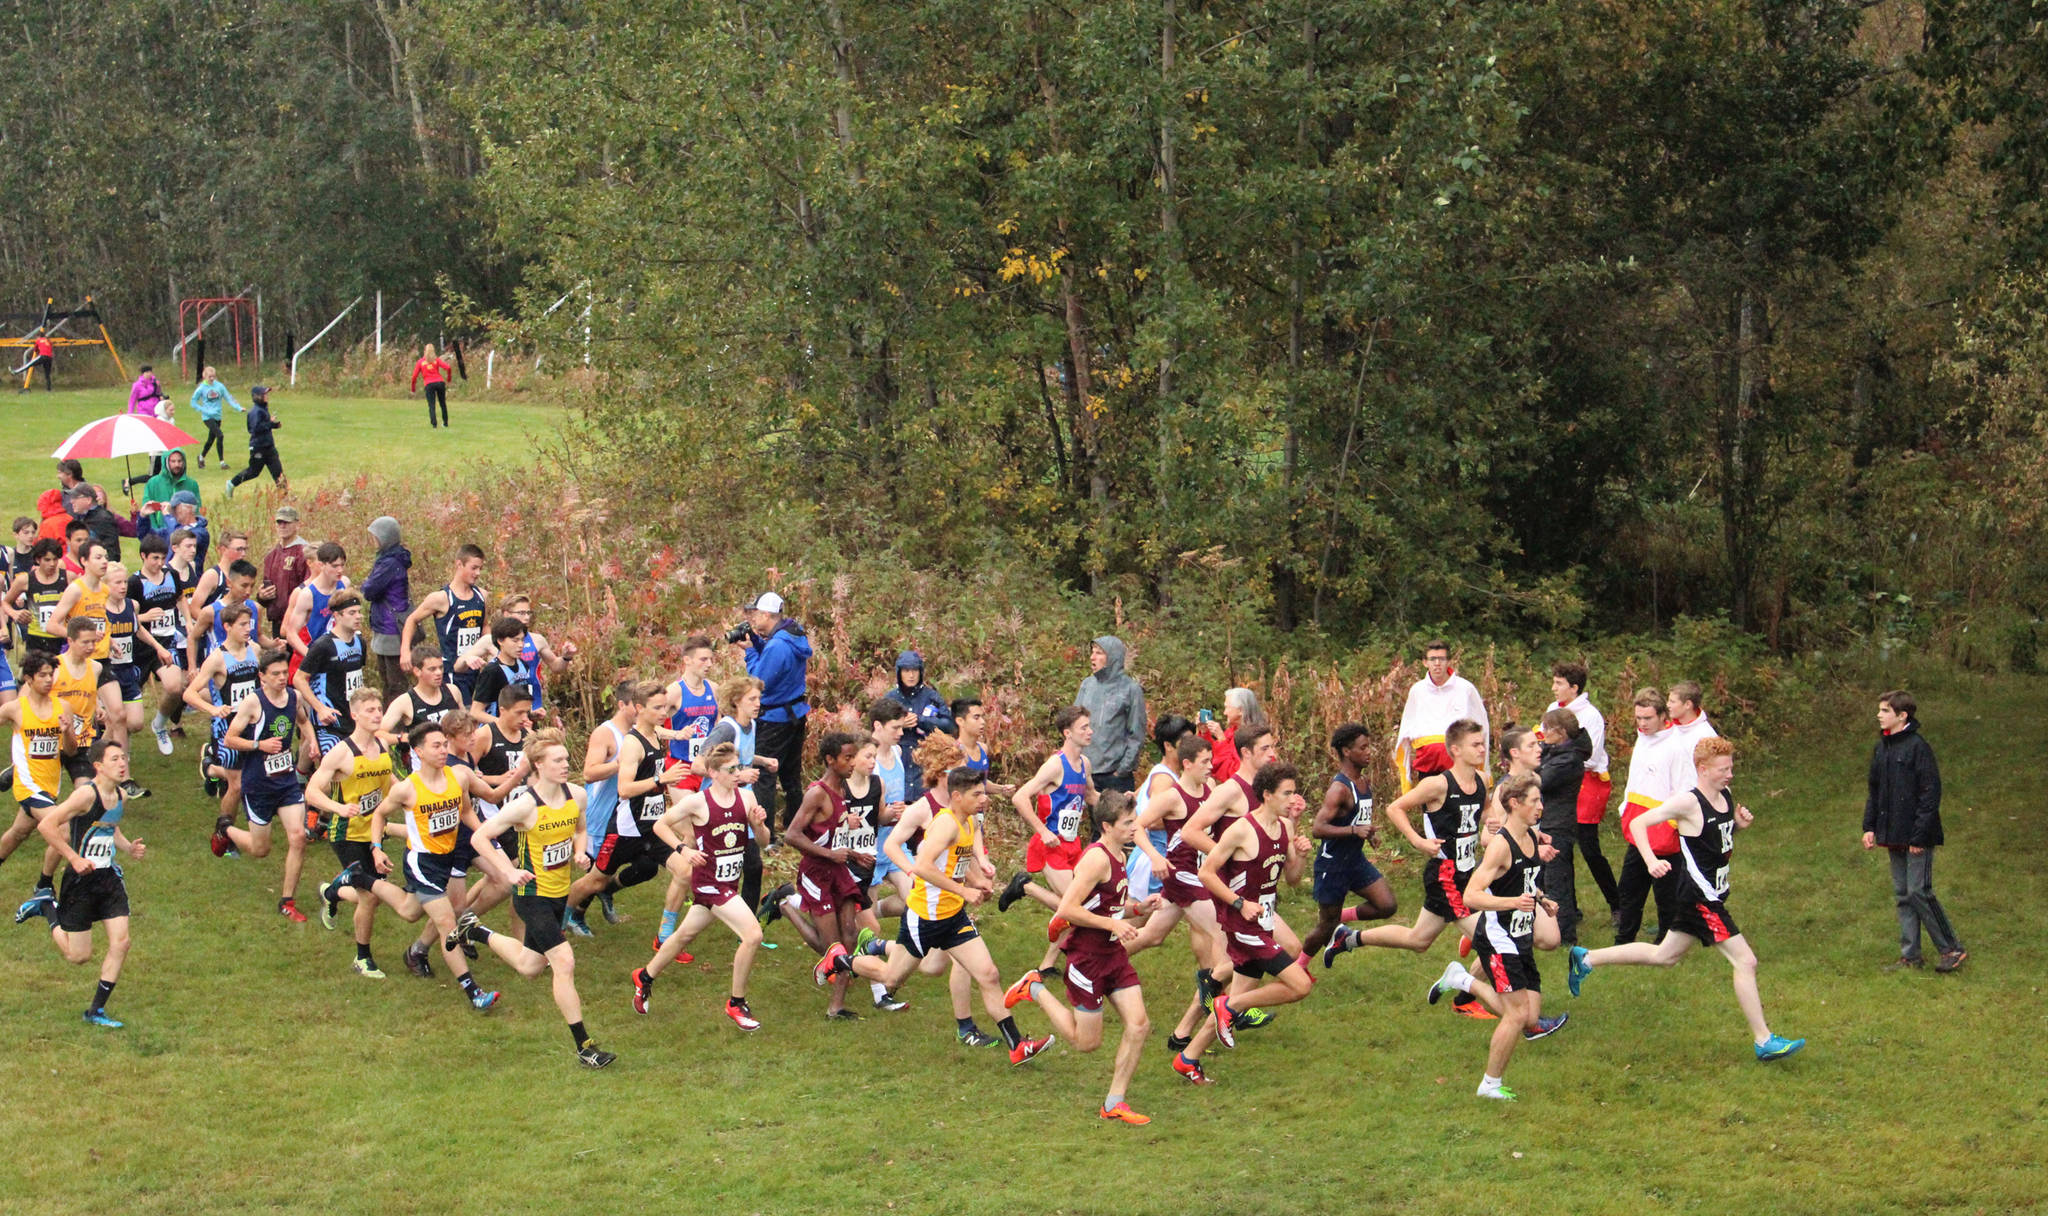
389	592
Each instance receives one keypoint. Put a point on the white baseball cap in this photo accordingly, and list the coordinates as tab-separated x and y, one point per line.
767	601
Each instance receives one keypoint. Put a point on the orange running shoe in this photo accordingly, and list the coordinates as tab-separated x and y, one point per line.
1123	1113
1020	991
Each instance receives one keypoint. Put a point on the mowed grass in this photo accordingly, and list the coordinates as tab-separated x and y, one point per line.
257	1072
326	442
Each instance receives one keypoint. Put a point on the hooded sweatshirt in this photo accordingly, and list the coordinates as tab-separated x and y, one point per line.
389	587
210	396
1116	708
933	713
778	661
144	394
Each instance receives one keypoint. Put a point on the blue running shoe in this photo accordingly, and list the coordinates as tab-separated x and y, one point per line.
99	1018
1777	1047
33	906
572	920
483	1000
1579	970
1545	1027
611	914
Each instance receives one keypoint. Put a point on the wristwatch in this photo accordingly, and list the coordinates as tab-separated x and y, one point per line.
1237	905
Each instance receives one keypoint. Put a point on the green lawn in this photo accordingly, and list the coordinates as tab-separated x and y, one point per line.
257	1072
326	442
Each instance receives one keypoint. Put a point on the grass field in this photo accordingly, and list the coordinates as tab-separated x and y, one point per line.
257	1072
326	441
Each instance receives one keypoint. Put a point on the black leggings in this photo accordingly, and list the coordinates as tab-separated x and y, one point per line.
1596	863
214	439
46	363
259	461
437	391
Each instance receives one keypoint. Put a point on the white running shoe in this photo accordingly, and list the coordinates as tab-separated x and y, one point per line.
162	731
1449	981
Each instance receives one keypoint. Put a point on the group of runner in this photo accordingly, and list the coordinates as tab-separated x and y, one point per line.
442	803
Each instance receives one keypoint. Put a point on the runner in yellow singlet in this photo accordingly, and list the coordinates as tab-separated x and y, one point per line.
40	739
359	770
430	803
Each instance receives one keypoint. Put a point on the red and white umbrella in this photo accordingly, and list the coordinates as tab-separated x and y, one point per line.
122	435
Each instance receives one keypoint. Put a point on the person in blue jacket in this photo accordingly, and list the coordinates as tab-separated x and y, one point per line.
208	399
779	655
932	711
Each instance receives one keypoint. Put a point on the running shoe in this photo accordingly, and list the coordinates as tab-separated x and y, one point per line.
682	956
1012	891
590	1055
1905	964
1205	987
367	968
1225	1031
611	914
1191	1070
643	988
416	962
1177	1043
829	966
33	906
1499	1093
227	489
975	1038
1253	1019
460	937
841	1015
1464	946
1777	1047
1020	991
1123	1113
1474	1008
289	909
1447	982
889	1003
771	907
99	1018
1950	960
483	1001
1579	970
1545	1027
1057	929
162	731
132	790
572	920
7	775
1339	943
741	1016
221	842
867	942
1031	1047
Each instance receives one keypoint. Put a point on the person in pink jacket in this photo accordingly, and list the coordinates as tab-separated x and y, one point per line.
145	393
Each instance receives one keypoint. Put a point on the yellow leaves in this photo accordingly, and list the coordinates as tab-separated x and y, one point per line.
1140	273
1006	227
1096	406
1200	129
1019	262
892	289
967	290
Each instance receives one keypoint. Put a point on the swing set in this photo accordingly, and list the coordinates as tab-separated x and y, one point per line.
50	324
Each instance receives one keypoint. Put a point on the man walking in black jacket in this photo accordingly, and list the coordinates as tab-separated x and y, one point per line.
1903	815
1566	747
263	424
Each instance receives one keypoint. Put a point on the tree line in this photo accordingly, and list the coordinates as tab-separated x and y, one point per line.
1566	316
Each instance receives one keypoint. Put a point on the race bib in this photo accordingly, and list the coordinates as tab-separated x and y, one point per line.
41	746
1721	880
960	867
727	867
650	807
556	855
1266	903
121	650
238	690
165	625
1069	823
695	748
99	848
277	763
45	613
442	822
369	802
1464	851
350	682
859	840
1521	924
465	637
1364	816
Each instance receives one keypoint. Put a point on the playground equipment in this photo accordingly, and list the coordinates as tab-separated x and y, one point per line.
51	324
197	313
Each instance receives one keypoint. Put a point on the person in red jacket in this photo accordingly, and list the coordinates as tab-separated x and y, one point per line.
433	370
46	358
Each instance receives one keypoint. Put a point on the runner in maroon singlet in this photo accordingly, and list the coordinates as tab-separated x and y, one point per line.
708	831
1243	873
831	895
1090	925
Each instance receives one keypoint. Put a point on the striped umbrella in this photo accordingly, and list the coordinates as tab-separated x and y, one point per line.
122	435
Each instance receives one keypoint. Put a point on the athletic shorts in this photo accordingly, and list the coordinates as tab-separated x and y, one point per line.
1183	888
359	854
643	855
1138	875
825	889
427	875
35	804
100	895
262	802
921	936
1251	947
1092	975
883	866
464	681
1339	877
1506	972
326	739
131	677
78	764
1442	892
542	916
1706	921
1040	856
218	753
7	683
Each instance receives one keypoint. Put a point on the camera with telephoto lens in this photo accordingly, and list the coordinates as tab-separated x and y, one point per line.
738	633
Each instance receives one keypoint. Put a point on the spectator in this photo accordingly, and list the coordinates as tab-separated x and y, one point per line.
184	516
389	591
1566	748
1902	814
778	653
931	711
1434	702
144	394
284	568
1689	725
208	398
45	358
1116	706
55	505
105	527
1240	708
166	485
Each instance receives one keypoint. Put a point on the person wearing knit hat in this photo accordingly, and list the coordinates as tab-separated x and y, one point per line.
389	592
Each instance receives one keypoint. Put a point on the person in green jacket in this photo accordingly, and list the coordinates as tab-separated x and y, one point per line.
166	484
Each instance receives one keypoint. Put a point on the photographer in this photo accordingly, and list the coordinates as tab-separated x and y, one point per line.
777	654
